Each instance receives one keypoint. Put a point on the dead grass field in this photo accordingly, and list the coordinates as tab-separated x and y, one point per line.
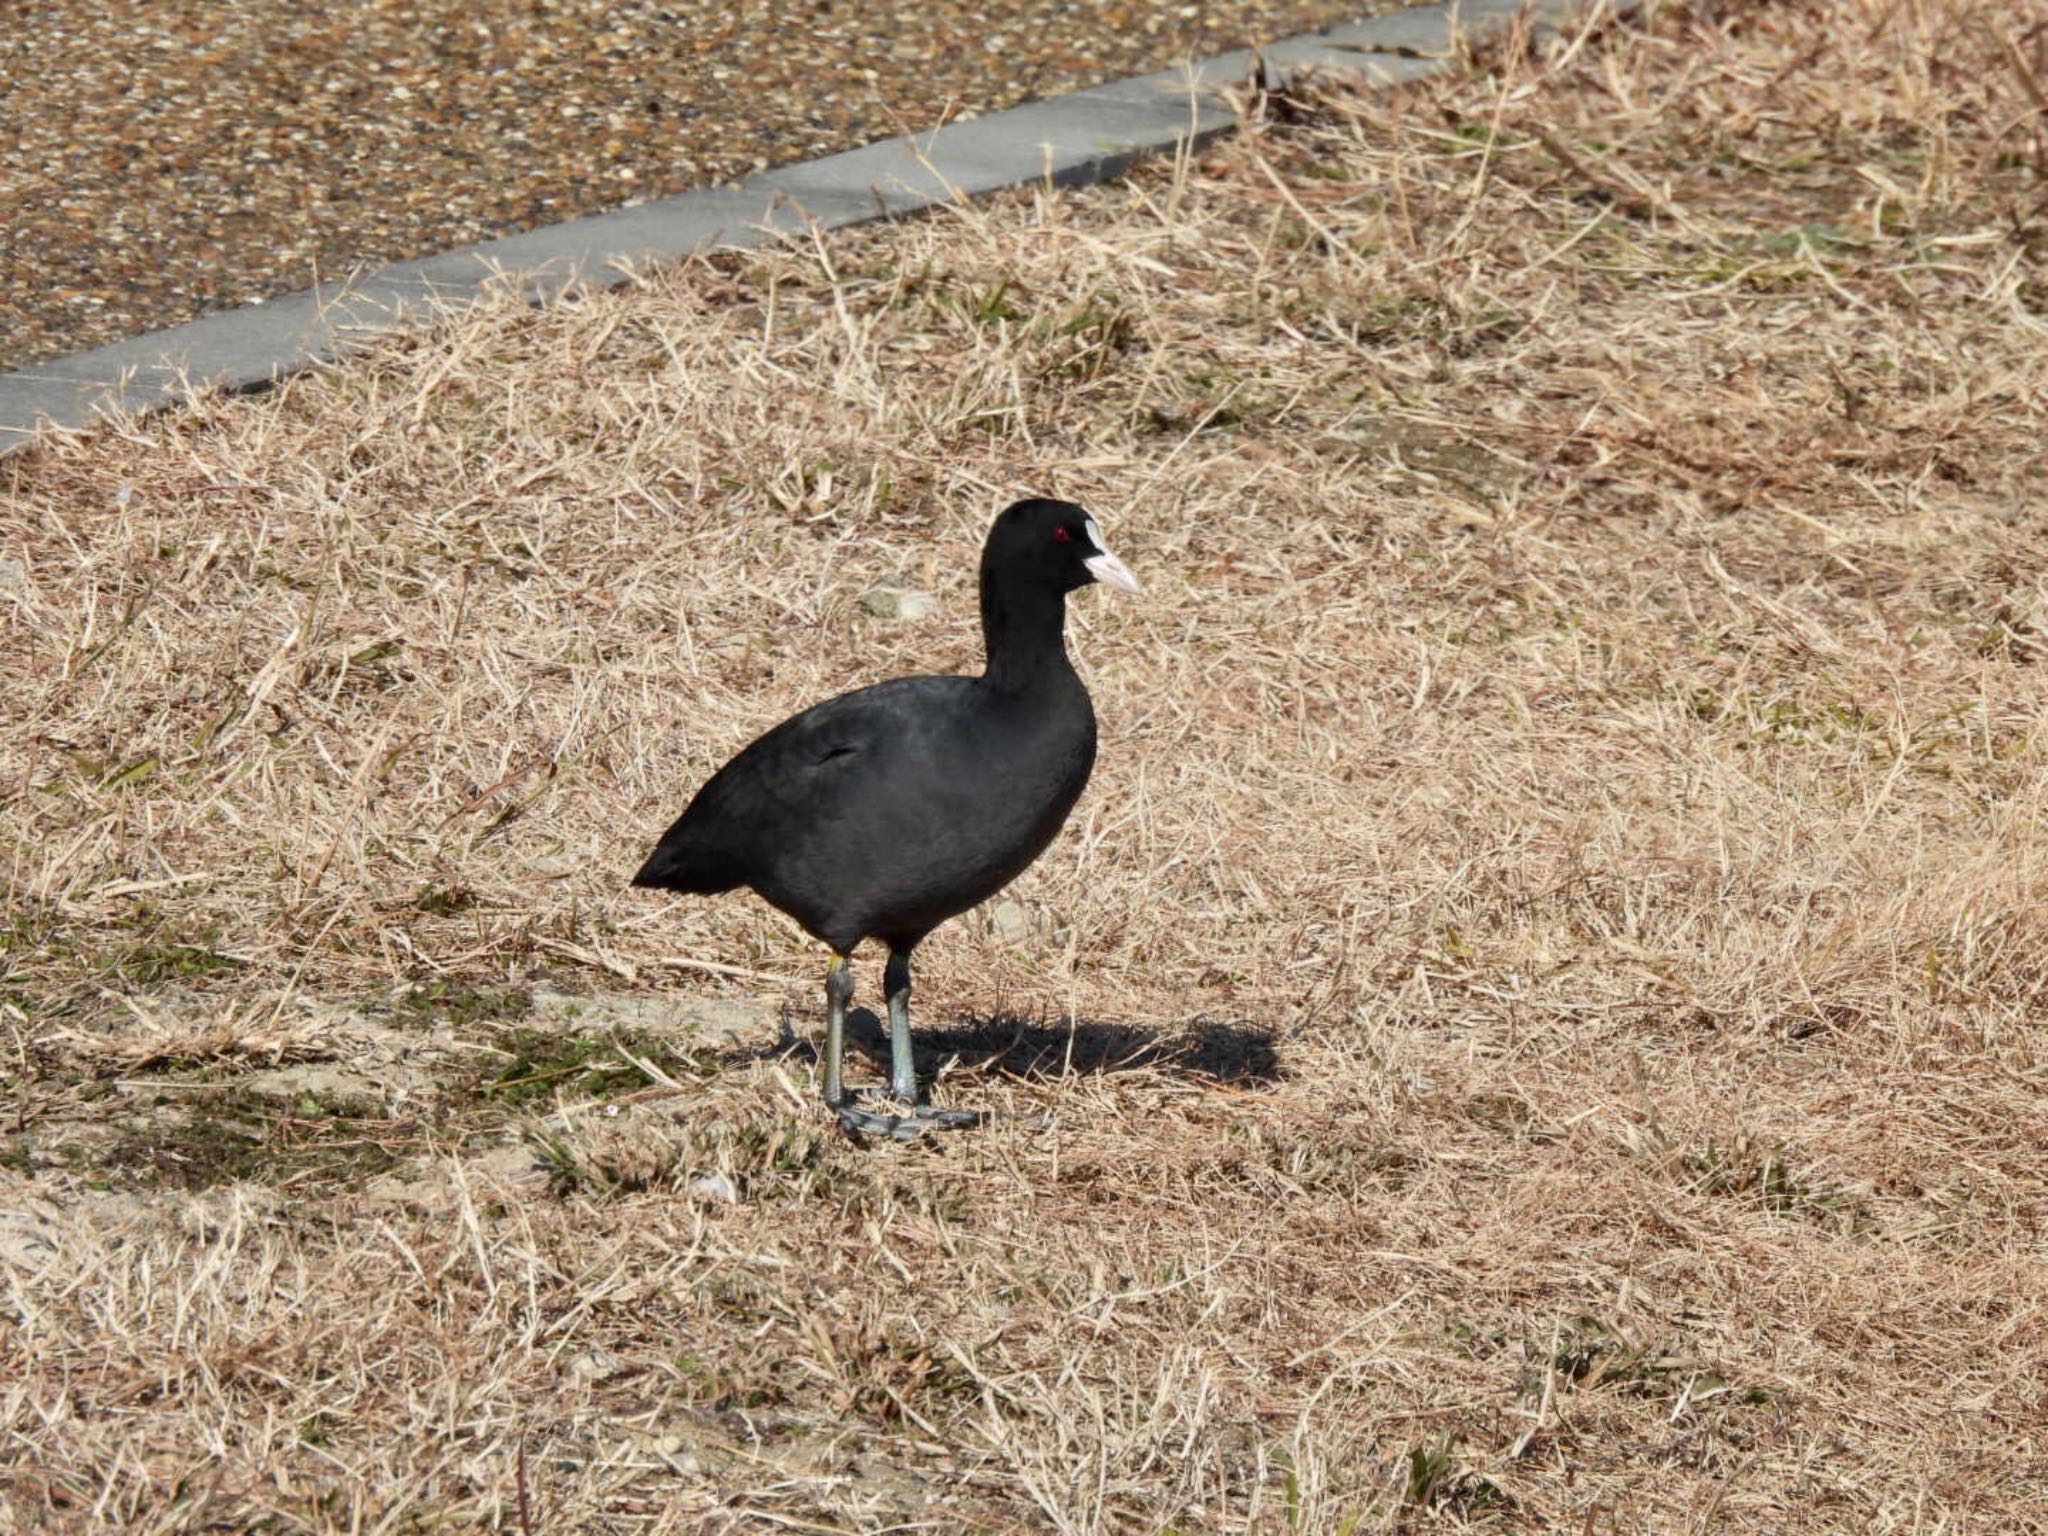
1540	1023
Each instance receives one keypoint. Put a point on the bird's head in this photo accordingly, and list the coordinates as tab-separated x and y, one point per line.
1058	540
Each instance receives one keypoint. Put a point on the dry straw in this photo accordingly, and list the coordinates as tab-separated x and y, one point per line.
1556	933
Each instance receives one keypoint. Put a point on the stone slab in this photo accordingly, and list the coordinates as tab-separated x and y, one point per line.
546	258
1074	140
27	404
1380	67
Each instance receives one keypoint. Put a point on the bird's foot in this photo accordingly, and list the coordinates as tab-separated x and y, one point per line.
900	1121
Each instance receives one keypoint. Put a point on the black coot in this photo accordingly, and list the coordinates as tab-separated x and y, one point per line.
883	812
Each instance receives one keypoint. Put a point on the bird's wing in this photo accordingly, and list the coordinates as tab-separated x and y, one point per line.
807	773
801	761
862	723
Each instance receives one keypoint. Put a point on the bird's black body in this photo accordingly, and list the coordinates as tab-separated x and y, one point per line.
883	812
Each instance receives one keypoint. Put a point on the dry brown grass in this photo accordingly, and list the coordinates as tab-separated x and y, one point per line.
1557	929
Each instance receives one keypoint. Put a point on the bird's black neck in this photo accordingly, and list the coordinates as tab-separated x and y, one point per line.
1023	626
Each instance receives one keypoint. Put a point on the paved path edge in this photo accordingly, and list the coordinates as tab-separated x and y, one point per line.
1077	139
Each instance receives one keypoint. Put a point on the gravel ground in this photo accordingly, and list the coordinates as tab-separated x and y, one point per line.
163	158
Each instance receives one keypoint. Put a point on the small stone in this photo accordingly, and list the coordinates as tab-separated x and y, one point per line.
591	1365
510	1167
898	603
1012	923
716	1186
13	577
430	1197
679	1451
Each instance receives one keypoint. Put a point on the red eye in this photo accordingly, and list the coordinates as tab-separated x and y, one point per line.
1062	534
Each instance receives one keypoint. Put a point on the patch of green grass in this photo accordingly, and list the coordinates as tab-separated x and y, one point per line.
1434	1482
154	964
547	1062
1786	720
729	1383
141	949
880	1374
1098	332
1483	134
437	900
1747	1170
1821	238
368	663
231	1137
775	1161
782	1149
1221	400
1589	1354
463	1004
982	307
30	945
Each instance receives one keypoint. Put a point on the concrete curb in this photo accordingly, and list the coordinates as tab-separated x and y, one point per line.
1073	140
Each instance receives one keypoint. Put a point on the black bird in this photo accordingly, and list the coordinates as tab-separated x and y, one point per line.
883	812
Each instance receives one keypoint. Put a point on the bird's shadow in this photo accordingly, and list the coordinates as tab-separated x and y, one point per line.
1034	1050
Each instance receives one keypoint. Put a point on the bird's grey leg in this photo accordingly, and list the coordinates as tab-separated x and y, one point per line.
912	1119
902	1069
838	993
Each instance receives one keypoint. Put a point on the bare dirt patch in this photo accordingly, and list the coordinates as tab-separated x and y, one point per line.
1537	1025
